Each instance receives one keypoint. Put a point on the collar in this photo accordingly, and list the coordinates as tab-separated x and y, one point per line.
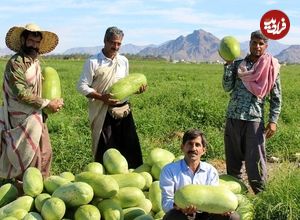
103	57
22	57
186	168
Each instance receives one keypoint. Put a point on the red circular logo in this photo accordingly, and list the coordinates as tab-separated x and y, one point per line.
275	24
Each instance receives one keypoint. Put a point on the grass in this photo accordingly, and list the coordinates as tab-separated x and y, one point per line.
281	199
181	96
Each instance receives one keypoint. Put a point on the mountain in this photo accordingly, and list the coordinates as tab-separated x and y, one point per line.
199	46
82	50
290	55
125	49
195	47
5	51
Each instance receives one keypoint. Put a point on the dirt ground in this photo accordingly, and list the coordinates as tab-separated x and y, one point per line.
221	167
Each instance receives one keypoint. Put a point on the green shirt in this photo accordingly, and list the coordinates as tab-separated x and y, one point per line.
21	89
243	104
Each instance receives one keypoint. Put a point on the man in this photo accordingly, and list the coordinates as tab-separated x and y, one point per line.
110	130
190	170
250	81
25	138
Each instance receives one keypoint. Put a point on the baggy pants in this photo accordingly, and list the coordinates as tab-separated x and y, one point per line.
120	134
245	141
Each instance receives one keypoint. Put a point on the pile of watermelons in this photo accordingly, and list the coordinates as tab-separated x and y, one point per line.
110	190
113	192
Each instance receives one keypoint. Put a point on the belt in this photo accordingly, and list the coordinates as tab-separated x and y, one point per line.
120	104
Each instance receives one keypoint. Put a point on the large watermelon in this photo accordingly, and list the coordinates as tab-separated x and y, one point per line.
51	88
128	85
229	48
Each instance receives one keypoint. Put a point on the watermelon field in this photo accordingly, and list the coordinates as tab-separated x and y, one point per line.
182	96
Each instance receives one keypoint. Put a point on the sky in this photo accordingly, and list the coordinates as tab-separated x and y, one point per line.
82	23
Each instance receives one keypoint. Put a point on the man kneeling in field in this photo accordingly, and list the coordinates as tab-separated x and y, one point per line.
189	170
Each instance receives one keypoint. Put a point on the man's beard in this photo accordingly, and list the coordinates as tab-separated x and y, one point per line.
33	52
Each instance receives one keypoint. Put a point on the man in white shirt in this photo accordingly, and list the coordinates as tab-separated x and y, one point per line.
108	130
190	170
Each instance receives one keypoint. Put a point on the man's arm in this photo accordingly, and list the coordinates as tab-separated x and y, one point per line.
229	76
86	78
275	108
275	101
167	187
16	80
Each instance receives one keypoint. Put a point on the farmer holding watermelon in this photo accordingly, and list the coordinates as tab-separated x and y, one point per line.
111	120
25	138
187	171
250	81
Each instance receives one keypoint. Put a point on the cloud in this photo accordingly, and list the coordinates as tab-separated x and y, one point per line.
271	2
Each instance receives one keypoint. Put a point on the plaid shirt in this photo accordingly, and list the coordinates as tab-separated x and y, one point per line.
243	104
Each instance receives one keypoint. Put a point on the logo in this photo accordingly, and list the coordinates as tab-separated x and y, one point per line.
275	24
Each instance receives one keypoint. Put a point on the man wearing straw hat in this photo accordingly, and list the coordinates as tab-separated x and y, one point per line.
25	138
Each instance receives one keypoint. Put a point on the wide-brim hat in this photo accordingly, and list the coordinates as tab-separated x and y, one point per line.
13	38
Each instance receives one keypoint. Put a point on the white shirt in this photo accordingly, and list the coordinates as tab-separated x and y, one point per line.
177	174
93	63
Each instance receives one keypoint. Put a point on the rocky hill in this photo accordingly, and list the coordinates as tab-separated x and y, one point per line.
199	46
125	49
195	47
290	55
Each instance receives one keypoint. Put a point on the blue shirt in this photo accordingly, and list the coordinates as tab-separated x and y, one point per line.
177	174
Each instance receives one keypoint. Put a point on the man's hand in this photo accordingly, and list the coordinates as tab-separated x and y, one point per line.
188	210
142	89
107	99
227	61
55	105
270	129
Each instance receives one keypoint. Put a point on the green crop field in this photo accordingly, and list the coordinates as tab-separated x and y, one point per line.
179	96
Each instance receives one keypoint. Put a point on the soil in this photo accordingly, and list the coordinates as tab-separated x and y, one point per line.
220	165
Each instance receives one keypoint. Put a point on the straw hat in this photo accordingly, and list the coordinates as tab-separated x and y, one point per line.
13	38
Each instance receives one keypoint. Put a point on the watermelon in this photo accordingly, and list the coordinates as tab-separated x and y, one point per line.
129	196
145	204
21	203
130	179
53	209
95	167
132	212
155	196
245	208
8	193
207	198
229	48
114	162
67	175
127	86
33	182
159	154
74	194
232	183
87	212
40	199
144	217
32	216
51	88
51	183
104	186
110	209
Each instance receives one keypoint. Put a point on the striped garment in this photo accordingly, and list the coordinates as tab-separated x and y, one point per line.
21	121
